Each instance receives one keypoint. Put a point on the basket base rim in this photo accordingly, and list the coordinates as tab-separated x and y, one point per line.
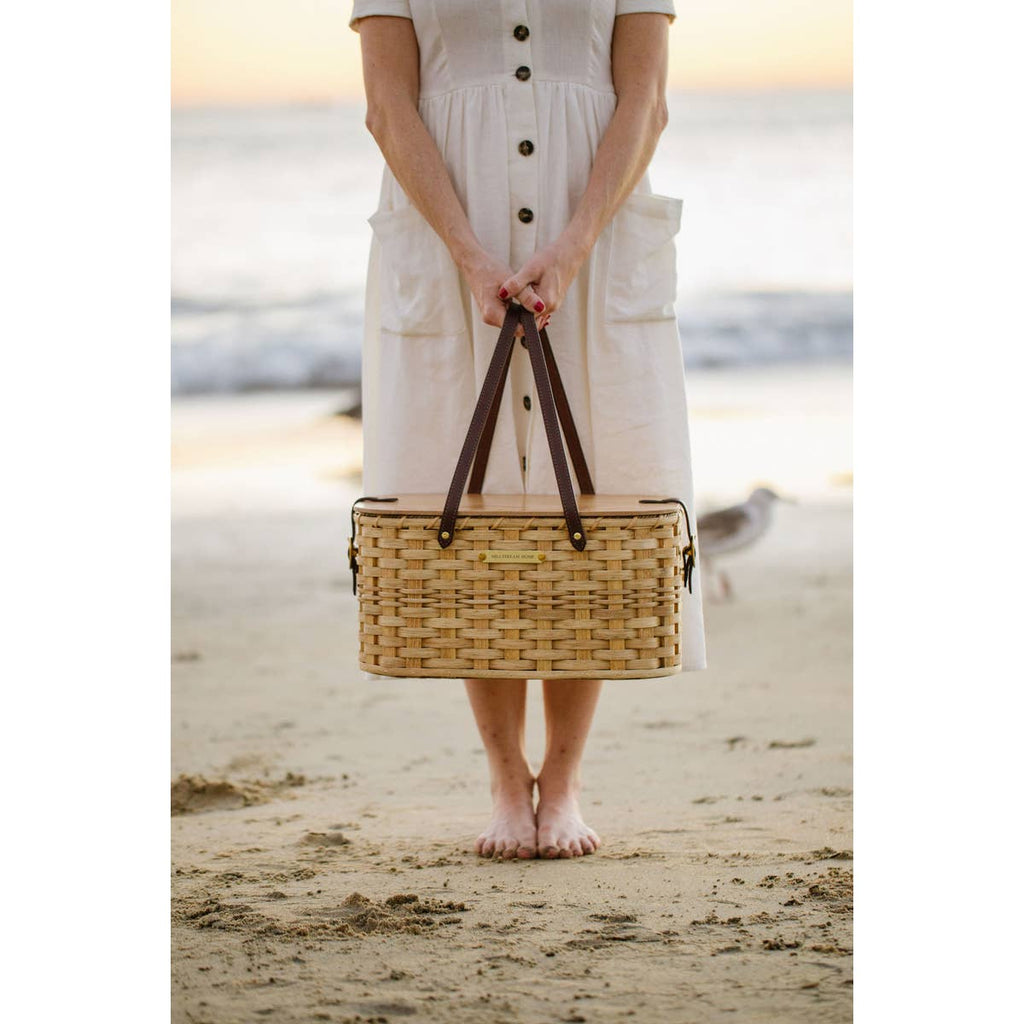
419	673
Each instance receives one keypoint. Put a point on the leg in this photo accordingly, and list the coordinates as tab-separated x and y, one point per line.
569	706
499	706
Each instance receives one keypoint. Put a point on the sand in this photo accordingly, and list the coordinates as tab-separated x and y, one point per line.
323	822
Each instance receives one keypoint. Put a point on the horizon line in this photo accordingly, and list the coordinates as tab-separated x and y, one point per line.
339	100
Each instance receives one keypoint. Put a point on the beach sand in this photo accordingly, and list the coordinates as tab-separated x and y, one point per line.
323	822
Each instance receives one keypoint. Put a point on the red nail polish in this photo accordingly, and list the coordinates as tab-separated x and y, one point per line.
503	293
539	306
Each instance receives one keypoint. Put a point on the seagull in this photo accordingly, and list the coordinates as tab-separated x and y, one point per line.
735	528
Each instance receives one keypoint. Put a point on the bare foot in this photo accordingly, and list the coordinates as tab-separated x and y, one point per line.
513	828
561	831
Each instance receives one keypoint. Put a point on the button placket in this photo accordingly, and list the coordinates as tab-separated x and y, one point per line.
521	113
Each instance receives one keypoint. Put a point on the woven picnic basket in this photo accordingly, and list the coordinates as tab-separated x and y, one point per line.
527	586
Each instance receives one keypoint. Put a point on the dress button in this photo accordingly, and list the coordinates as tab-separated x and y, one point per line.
526	401
522	73
525	215
526	147
520	32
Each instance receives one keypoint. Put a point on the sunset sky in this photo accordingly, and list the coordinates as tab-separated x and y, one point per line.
266	51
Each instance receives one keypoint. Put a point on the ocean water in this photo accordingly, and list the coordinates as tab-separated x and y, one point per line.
270	237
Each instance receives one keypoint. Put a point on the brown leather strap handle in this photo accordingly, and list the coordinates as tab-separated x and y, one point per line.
572	437
476	478
577	537
488	393
488	399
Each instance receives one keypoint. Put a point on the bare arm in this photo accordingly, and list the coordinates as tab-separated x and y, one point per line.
639	73
391	78
392	81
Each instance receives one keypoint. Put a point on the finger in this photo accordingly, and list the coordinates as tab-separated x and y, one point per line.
522	291
531	300
512	286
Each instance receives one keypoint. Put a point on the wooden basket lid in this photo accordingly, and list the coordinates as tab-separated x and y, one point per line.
522	504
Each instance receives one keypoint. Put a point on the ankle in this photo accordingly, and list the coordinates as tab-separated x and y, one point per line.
559	785
512	785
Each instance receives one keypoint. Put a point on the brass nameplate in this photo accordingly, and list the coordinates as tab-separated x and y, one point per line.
511	556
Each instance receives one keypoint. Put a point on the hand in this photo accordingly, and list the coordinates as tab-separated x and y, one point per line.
545	276
484	275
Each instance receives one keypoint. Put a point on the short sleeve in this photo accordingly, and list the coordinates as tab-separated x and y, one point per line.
364	8
637	6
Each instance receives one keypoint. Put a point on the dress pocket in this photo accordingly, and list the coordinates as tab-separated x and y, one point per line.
420	291
642	276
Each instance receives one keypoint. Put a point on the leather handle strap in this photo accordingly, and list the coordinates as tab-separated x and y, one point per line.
482	416
487	397
572	437
476	478
577	536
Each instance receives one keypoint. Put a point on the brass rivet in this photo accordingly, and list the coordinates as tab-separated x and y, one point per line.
482	556
445	534
576	536
541	557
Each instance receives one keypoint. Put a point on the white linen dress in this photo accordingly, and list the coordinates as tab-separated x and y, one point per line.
517	95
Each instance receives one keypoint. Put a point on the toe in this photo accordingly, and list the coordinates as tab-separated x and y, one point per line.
586	845
487	848
508	849
577	849
563	848
526	852
546	845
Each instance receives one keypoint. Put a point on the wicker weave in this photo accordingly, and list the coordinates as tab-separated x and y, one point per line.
611	611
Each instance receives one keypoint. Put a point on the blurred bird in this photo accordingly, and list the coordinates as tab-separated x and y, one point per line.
732	529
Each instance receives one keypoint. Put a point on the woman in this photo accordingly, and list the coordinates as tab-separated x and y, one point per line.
516	136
